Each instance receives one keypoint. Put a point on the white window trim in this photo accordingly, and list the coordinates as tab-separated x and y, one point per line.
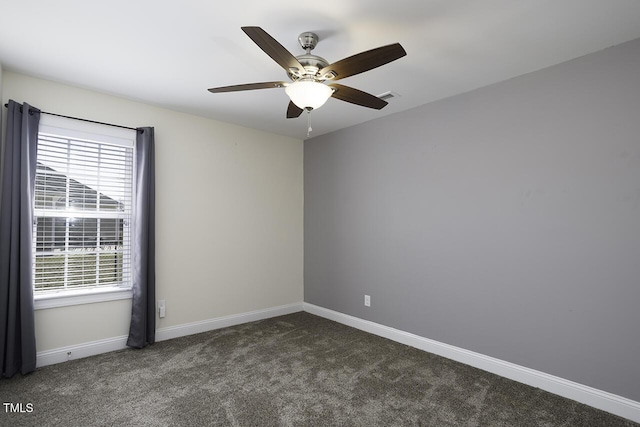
85	296
84	130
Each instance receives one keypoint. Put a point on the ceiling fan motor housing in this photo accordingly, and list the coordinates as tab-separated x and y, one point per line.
311	63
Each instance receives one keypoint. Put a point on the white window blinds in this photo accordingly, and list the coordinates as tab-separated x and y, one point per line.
83	208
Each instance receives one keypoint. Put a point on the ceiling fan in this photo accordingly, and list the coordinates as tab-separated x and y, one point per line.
310	73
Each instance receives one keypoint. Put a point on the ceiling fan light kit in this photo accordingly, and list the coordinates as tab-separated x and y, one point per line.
309	73
309	94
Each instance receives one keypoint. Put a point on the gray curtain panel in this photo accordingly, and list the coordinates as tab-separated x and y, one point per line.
17	330
143	314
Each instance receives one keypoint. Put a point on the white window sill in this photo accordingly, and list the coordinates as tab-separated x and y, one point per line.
66	298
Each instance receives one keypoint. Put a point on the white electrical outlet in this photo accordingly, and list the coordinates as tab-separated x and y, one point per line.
161	308
367	301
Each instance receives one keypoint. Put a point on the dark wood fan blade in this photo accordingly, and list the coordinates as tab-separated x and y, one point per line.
248	86
275	50
363	61
358	97
293	111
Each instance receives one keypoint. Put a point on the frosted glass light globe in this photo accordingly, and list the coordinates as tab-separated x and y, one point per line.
308	93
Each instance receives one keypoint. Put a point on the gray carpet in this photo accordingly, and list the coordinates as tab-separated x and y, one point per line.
294	370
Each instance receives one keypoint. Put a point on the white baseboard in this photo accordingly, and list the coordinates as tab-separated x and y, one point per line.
606	401
223	322
78	351
603	400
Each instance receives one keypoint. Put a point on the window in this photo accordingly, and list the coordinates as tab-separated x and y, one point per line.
83	208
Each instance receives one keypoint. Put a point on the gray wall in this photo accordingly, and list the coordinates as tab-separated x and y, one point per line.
505	220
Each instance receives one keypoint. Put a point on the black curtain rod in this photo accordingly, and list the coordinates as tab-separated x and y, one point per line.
85	120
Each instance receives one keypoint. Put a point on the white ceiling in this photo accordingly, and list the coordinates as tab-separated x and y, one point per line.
169	53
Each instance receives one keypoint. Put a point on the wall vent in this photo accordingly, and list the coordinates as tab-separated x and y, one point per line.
388	95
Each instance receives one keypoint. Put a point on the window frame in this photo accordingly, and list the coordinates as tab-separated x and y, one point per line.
82	130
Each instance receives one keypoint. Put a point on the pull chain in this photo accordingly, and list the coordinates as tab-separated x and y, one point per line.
309	130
